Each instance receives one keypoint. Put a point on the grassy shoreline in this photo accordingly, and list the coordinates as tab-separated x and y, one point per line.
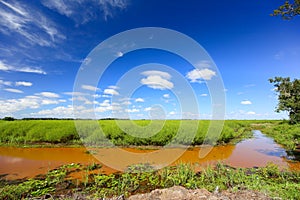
282	132
142	178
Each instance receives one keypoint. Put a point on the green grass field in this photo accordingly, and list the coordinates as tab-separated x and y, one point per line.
135	133
140	132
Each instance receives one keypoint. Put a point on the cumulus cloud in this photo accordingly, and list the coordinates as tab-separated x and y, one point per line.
113	87
126	103
7	83
140	100
246	102
89	87
13	90
251	113
15	105
75	93
166	96
49	102
197	75
9	68
148	109
119	54
134	110
111	92
23	83
60	111
172	113
48	94
106	105
11	106
157	80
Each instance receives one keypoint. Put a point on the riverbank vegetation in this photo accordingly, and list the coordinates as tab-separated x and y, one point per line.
283	133
142	178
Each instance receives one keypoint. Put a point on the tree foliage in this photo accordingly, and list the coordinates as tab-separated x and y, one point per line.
288	10
288	97
8	119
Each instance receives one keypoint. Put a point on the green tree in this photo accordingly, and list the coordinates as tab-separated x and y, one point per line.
8	119
288	97
288	10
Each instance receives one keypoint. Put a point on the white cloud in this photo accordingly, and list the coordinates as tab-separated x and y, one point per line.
126	103
157	80
203	64
13	90
105	103
148	109
251	113
75	93
140	100
172	113
166	96
7	83
23	83
86	61
6	67
60	112
81	98
134	110
107	106
197	75
14	105
48	94
246	102
203	95
19	18
49	102
89	87
157	73
113	87
73	9
11	106
119	54
111	92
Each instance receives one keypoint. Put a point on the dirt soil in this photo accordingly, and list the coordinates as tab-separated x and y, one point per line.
181	193
176	193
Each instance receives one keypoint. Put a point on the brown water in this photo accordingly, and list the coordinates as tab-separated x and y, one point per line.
16	163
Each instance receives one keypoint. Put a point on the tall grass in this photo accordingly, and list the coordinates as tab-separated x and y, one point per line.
122	132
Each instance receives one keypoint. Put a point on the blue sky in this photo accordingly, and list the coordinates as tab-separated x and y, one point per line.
44	43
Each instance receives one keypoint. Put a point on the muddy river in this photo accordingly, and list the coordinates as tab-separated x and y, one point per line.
17	163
